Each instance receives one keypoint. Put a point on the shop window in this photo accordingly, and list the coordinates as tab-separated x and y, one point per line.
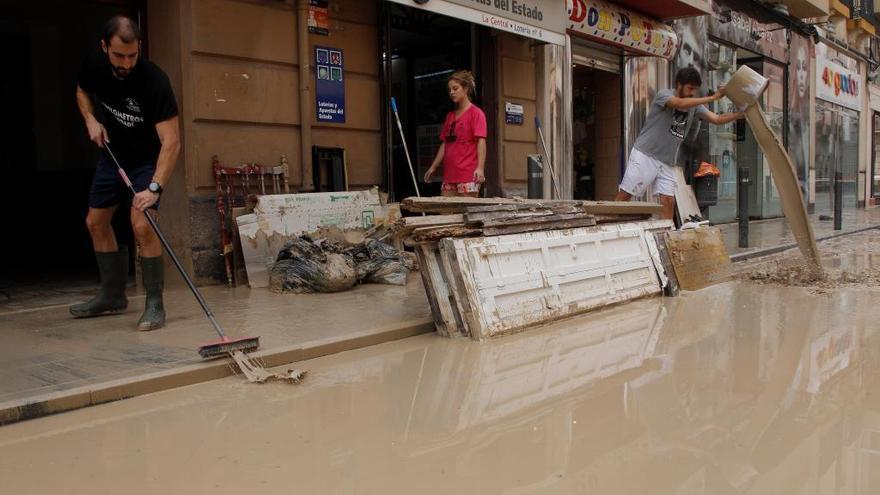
875	163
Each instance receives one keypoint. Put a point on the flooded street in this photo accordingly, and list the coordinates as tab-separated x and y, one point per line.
741	388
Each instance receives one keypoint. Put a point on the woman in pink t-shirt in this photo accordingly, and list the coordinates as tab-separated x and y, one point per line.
463	141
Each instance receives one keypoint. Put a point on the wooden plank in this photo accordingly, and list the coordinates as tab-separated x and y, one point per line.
459	204
432	220
445	320
698	256
672	289
568	207
478	218
452	271
534	227
544	219
423	256
622	207
437	233
600	219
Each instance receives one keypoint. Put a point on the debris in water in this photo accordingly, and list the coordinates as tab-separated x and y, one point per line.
801	275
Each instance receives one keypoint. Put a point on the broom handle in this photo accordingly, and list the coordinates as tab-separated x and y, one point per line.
405	148
549	161
170	251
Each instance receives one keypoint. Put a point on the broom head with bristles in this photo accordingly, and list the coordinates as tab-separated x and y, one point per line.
227	345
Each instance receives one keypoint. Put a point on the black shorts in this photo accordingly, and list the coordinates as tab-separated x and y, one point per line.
108	190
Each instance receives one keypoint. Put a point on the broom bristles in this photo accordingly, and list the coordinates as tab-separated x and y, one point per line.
222	348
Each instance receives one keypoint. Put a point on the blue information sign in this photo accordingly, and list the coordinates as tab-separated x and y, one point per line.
330	86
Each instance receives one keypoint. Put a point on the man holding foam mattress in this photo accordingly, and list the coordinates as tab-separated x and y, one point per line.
654	152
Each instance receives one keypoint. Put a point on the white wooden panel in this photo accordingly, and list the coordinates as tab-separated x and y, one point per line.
513	281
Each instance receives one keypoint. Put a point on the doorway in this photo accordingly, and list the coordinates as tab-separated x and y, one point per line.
422	49
45	154
764	200
596	132
875	155
837	150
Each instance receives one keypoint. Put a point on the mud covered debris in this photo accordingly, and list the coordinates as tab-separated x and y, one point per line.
337	262
851	261
800	275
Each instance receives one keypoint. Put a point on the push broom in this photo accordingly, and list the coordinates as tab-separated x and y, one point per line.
235	348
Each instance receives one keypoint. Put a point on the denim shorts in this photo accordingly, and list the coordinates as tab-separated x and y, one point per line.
108	190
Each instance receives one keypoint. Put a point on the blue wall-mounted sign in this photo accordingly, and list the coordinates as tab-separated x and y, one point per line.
330	85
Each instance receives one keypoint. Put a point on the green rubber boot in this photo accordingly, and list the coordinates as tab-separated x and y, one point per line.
111	299
154	282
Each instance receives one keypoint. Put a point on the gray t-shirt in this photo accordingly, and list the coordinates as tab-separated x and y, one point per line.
665	128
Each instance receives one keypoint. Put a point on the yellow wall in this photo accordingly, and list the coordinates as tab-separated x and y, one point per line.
516	67
243	87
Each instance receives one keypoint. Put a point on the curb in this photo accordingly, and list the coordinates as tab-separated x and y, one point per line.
759	253
92	395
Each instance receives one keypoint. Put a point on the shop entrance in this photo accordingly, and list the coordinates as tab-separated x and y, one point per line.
422	49
837	150
596	131
734	145
46	157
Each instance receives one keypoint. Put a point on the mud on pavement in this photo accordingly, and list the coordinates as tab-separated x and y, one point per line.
851	261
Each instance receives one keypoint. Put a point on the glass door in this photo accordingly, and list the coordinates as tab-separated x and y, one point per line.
774	109
875	162
849	156
837	150
827	155
722	138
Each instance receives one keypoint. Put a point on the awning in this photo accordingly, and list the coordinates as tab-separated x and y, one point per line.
612	25
542	20
668	9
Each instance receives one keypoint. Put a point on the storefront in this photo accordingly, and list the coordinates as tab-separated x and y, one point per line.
504	44
839	97
873	192
717	46
619	59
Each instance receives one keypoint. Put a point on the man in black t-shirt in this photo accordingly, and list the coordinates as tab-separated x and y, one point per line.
127	103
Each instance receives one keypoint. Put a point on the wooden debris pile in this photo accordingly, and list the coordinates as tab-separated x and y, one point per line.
472	217
492	266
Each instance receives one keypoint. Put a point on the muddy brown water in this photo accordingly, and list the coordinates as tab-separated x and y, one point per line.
741	388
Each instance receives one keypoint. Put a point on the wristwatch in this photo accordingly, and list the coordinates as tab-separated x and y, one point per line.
155	188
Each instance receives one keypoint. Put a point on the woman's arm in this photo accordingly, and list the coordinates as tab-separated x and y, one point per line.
436	163
480	172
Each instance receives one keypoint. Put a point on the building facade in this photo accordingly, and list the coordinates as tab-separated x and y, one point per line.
260	79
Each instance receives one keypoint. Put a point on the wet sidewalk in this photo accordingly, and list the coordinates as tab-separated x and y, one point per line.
51	362
768	234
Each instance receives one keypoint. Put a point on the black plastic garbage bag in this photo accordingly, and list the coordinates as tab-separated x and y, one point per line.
380	263
303	266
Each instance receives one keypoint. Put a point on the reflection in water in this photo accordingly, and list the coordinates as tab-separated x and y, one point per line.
737	389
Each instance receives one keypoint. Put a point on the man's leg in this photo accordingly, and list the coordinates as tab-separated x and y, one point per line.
664	188
640	172
668	203
112	267
152	271
148	242
98	222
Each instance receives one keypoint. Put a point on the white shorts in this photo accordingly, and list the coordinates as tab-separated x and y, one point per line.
643	171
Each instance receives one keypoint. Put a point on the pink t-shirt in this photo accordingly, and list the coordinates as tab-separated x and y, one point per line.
460	137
